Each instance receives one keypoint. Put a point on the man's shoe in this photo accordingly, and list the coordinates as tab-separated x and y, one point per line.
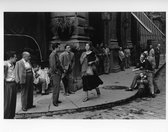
70	92
24	109
129	89
56	105
66	94
157	91
153	95
44	93
59	101
33	106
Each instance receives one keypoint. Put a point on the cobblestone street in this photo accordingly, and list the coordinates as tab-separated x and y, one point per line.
144	108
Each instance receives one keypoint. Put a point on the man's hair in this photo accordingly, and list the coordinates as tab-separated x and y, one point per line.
55	45
66	46
25	53
10	54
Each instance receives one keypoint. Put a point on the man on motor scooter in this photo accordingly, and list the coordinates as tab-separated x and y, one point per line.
147	65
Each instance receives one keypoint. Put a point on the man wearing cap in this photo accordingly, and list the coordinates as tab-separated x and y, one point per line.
55	72
24	76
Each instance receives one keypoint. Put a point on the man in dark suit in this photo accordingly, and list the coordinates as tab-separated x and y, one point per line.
24	76
55	72
157	56
10	90
67	62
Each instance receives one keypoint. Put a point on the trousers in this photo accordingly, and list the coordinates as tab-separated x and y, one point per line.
10	93
56	79
27	91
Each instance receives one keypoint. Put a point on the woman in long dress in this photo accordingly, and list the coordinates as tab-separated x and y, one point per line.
90	78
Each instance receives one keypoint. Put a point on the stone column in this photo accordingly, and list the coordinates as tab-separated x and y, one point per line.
79	37
114	60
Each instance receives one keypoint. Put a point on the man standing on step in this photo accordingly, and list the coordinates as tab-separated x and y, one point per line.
157	56
24	76
55	72
67	62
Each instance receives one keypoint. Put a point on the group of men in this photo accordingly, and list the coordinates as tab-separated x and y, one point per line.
22	73
124	58
61	68
149	61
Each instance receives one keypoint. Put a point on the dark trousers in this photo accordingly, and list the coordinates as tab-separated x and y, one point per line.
56	78
10	93
127	62
122	64
68	82
157	59
27	92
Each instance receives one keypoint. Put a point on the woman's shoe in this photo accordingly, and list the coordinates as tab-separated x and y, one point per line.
85	99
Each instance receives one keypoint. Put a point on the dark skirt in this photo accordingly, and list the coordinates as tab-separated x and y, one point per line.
91	82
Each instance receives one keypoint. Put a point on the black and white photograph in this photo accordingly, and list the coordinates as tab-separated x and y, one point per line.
87	65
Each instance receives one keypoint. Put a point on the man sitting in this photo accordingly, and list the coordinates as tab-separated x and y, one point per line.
41	78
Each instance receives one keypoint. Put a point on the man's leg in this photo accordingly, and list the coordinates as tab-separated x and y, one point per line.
56	88
65	82
70	84
151	86
43	84
30	90
134	82
24	96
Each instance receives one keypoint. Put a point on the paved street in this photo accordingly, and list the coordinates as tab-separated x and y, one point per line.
145	108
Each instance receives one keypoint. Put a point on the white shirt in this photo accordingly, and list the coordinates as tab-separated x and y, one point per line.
11	72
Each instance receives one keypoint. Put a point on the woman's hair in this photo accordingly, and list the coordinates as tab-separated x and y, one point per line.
90	45
55	45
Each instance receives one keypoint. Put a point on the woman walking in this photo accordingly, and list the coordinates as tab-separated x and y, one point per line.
90	78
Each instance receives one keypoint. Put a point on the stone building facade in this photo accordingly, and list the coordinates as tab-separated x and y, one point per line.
113	29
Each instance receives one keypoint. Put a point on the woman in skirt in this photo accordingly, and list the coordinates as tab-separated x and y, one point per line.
90	78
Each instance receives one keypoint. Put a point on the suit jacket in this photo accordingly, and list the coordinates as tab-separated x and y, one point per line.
157	52
67	60
20	72
55	65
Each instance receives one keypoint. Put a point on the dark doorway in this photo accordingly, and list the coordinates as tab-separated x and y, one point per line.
96	23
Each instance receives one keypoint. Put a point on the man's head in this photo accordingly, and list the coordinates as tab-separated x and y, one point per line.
67	48
120	48
158	45
55	46
144	55
151	46
11	56
26	55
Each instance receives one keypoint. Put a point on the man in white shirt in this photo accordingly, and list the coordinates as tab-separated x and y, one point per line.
10	90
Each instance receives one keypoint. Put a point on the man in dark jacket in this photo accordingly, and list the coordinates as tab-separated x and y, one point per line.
55	72
157	56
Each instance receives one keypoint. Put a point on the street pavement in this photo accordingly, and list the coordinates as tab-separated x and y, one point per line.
111	95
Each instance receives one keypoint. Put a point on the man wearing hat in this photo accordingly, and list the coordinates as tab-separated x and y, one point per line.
55	72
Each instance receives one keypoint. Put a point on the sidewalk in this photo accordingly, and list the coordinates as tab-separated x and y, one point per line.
111	95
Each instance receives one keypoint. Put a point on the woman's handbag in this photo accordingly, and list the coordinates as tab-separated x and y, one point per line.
89	70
